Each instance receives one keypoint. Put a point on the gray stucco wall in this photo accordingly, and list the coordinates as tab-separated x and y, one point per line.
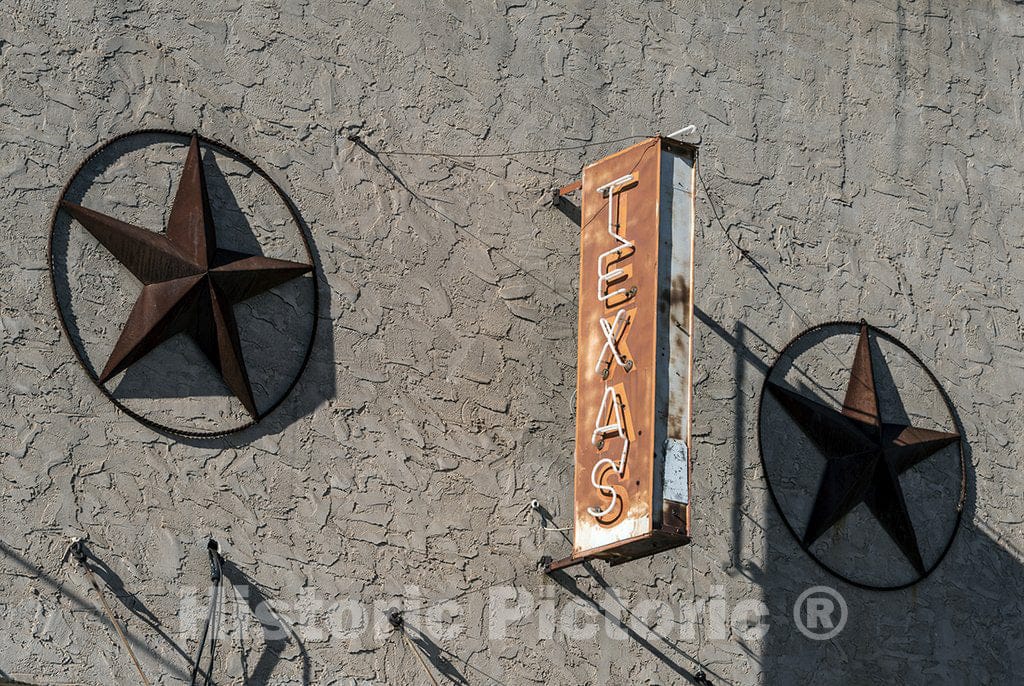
866	156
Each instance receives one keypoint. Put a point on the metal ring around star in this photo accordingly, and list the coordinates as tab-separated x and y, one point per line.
306	243
879	333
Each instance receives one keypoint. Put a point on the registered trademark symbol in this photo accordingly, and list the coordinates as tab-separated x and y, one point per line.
820	613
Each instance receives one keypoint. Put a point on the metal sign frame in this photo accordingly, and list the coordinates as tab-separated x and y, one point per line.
635	353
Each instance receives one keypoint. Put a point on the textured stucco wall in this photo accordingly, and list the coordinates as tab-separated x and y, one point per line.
867	156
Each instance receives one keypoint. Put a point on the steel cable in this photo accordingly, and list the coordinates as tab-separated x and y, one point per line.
78	553
216	575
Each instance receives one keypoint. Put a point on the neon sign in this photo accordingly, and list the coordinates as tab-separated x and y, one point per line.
635	354
611	404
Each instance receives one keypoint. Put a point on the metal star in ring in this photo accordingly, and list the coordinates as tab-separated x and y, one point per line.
189	284
864	456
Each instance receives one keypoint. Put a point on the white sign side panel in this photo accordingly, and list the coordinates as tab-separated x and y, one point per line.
677	217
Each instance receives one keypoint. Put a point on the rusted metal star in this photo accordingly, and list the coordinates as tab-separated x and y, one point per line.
865	456
189	284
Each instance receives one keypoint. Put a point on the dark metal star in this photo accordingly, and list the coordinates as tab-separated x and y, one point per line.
189	284
864	456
